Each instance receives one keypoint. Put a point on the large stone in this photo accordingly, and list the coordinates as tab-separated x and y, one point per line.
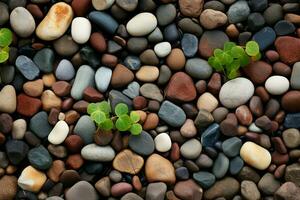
8	187
295	82
22	22
290	101
288	48
258	71
287	191
188	190
128	162
141	24
27	67
82	190
191	8
31	179
292	173
227	187
238	12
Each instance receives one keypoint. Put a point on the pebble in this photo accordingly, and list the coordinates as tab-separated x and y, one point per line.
238	12
295	83
82	189
244	115
277	85
50	100
85	128
16	151
103	186
221	166
4	16
255	22
27	67
142	144
39	124
289	101
121	76
129	5
189	26
102	5
208	102
34	88
81	30
9	187
65	70
210	135
262	158
151	91
198	68
182	173
171	114
292	173
188	129
58	133
211	19
164	75
288	190
19	128
165	14
231	147
147	74
291	137
104	21
141	24
84	78
181	88
265	37
236	92
115	176
116	97
236	165
204	179
189	44
65	46
31	179
176	59
56	22
128	162
162	49
97	153
203	119
102	78
132	90
156	191
249	190
227	187
191	8
8	99
162	142
158	168
131	196
284	27
258	71
40	158
6	122
191	149
292	44
22	22
132	62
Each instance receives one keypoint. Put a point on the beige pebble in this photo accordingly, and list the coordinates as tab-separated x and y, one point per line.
34	88
50	100
8	99
208	102
188	129
147	73
31	179
19	129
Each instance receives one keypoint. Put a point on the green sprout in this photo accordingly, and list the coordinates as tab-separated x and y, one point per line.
101	114
5	41
232	57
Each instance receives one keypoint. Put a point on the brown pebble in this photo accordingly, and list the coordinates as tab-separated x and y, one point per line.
50	100
272	55
279	159
151	122
61	88
33	88
56	169
214	84
121	76
244	115
258	71
48	79
279	172
279	145
102	137
35	11
23	102
53	116
139	103
282	69
256	106
201	86
74	161
81	7
109	60
176	59
74	143
136	182
69	178
229	126
153	106
11	169
98	42
117	142
280	117
175	152
232	31
80	106
264	123
262	93
71	116
67	104
90	94
290	101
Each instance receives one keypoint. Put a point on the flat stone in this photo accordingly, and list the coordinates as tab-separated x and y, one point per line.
31	179
40	158
65	70
191	8
8	99
156	191
236	165
292	173
210	135
85	128
204	179
265	37
44	59
97	153
295	82
284	27
132	90
151	91
39	124
189	44
249	190
188	190
231	147
141	24
142	144
268	184
292	44
22	22
288	191
238	12
27	67
128	162
191	149
116	97
171	114
16	151
227	187
221	166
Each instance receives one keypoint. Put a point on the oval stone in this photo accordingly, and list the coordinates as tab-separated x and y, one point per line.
277	85
58	133
97	153
22	22
141	24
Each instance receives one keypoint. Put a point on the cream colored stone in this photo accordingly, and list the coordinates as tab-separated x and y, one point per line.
141	24
58	133
147	73
31	179
56	22
208	102
255	155
102	4
8	99
18	129
50	100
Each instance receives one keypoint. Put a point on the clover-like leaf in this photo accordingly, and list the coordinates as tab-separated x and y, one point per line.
252	48
123	123
3	56
244	60
232	74
257	57
107	124
98	116
215	63
134	116
121	109
92	107
228	46
237	51
104	107
136	129
5	37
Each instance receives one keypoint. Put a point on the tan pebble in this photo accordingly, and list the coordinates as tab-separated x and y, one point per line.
56	169
147	73
50	100
34	88
151	122
232	31
211	19
48	80
142	114
128	162
188	129
255	155
61	116
31	179
8	99
208	102
10	169
176	59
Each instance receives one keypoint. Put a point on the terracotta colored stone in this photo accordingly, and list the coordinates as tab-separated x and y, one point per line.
232	31
56	169
258	71
175	152
61	88
181	88
98	42
136	182
290	101
23	108
80	7
188	190
151	122
8	187
214	84
191	8
158	168
103	137
74	143
279	159
288	48
176	59
74	161
67	103
121	76
262	93
139	103
90	94
128	162
81	106
272	55
48	79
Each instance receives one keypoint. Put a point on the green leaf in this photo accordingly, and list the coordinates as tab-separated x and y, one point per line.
98	116
228	46
136	129
5	37
215	63
123	123
92	107
121	109
252	48
218	52
232	74
237	51
244	60
134	116
257	57
104	107
107	124
3	56
235	65
227	58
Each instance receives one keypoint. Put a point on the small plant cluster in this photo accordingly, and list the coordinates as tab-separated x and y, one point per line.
5	41
102	115
232	57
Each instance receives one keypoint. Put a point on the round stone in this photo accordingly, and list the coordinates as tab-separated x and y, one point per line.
284	27
162	49
142	144
65	70
277	85
82	189
291	137
189	44
141	24
162	142
22	22
165	14
147	73
231	147
238	12
102	78
211	19
236	92
81	30
191	149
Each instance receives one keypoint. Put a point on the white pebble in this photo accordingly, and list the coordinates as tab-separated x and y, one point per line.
18	129
277	85
81	30
163	142
162	49
254	128
141	24
58	133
